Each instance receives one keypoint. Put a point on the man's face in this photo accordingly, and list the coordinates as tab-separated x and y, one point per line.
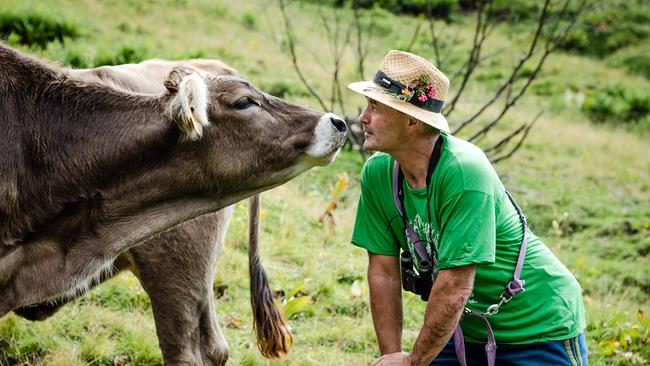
383	127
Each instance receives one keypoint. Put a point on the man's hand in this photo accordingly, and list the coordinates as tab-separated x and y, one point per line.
393	359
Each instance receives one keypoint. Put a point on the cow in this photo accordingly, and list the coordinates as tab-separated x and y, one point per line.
176	268
92	171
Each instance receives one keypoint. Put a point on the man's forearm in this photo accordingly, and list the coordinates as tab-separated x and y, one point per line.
386	302
444	309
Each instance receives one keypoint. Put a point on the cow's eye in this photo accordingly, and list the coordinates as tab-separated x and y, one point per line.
245	102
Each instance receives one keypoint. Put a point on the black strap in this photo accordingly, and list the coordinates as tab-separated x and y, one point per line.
399	186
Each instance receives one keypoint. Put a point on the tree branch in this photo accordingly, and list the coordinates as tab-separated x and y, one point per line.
512	101
479	37
434	39
519	144
416	32
514	72
294	58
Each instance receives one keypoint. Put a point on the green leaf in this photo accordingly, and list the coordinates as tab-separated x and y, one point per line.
296	305
295	290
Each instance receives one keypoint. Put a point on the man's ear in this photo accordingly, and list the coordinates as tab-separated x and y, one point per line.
190	105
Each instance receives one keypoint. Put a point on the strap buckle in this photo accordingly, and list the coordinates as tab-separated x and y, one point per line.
494	308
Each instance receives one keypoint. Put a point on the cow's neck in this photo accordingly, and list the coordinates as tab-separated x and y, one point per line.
80	143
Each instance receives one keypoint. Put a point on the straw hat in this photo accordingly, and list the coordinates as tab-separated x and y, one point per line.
411	85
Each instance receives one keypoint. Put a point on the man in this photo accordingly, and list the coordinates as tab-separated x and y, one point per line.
461	231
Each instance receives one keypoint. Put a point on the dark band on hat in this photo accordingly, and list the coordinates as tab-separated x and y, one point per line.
395	87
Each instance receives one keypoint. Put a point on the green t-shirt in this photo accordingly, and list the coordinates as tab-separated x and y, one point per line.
472	221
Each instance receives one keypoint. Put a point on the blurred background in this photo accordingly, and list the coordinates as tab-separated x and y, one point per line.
556	93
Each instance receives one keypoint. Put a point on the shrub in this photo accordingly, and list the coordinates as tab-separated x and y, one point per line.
439	8
35	29
75	58
609	27
636	60
249	20
125	55
284	88
618	103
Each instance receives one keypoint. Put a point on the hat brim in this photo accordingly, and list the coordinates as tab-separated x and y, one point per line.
375	92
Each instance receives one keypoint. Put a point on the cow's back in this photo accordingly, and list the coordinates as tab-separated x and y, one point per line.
147	76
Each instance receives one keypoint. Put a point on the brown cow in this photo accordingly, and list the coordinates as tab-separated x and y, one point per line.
176	268
92	171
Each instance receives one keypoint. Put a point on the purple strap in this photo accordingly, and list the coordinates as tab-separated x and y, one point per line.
517	285
490	347
415	239
459	345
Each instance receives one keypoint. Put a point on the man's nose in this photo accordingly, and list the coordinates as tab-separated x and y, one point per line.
363	118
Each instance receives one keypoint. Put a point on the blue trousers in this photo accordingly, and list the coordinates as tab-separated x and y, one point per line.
569	352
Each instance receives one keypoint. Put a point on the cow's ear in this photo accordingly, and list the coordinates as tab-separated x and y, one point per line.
174	78
190	105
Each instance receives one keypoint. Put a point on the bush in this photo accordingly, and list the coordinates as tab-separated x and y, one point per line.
35	29
126	55
283	89
249	20
439	8
609	27
620	104
636	60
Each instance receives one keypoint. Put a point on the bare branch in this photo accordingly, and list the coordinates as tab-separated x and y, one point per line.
549	47
479	38
294	58
416	32
452	48
513	100
504	141
434	39
362	51
519	144
337	67
515	71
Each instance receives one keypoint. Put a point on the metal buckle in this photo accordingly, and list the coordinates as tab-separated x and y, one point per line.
494	308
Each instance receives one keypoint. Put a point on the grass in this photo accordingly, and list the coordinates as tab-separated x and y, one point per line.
584	187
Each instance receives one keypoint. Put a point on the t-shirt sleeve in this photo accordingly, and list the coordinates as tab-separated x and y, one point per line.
468	230
371	227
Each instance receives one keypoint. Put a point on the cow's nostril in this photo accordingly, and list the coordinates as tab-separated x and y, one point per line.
339	124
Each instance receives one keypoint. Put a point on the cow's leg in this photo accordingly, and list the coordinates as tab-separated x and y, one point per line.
177	270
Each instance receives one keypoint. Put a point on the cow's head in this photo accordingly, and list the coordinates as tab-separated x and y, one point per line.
250	135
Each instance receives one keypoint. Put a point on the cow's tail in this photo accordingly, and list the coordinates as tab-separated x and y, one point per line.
273	334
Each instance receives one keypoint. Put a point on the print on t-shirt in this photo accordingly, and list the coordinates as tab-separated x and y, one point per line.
429	237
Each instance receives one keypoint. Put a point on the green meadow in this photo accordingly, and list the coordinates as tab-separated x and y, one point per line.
582	178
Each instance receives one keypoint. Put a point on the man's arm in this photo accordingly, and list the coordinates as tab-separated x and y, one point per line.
446	302
386	301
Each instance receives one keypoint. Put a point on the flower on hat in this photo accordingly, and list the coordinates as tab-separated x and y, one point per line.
421	88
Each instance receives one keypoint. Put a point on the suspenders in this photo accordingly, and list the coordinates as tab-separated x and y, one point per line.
514	287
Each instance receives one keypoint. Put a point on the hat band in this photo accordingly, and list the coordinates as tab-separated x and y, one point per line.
395	87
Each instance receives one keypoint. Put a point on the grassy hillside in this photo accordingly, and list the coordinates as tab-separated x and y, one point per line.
584	186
